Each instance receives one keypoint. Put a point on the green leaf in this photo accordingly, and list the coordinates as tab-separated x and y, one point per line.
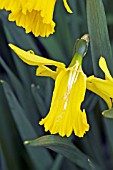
12	146
38	99
99	38
92	142
14	81
57	162
4	47
3	162
66	148
26	130
100	46
21	92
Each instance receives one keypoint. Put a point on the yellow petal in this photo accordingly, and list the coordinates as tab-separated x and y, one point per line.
10	5
14	5
104	86
65	115
103	66
32	59
67	6
45	71
92	86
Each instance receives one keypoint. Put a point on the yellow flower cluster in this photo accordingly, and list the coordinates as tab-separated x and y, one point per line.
35	16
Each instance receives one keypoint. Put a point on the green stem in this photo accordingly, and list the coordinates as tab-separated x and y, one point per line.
80	50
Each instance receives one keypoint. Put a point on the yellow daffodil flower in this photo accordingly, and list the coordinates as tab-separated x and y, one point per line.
103	88
35	16
65	115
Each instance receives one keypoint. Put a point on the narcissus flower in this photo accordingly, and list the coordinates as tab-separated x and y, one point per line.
35	16
65	113
103	88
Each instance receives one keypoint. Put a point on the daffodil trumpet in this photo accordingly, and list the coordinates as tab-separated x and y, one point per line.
35	16
65	114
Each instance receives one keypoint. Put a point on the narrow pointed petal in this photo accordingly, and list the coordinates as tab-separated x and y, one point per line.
95	88
67	6
103	66
65	115
104	86
32	59
45	71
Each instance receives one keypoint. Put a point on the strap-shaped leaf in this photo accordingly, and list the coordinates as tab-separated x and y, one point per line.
26	130
14	151
66	148
100	46
99	38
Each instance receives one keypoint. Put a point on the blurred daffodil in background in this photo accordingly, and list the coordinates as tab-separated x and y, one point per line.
65	115
35	16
